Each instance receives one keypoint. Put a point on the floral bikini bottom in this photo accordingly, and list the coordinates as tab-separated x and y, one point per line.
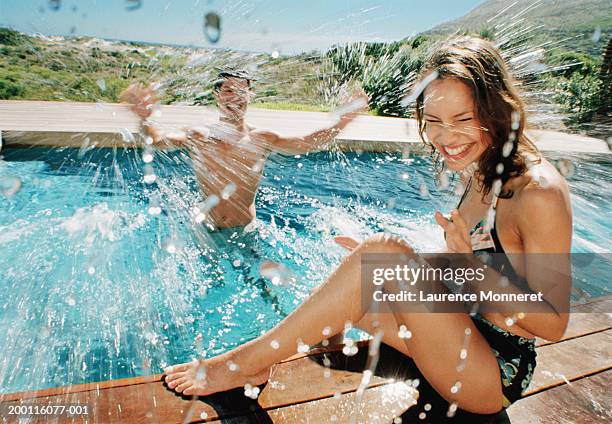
516	357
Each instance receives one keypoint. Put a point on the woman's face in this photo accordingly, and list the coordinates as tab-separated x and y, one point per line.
451	123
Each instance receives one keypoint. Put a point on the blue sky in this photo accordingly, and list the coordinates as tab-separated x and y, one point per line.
289	26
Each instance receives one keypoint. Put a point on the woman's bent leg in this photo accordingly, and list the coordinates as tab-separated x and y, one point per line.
435	344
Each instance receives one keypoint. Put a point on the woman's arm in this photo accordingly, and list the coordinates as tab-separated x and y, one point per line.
545	227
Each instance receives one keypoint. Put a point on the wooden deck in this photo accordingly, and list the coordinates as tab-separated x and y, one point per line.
571	384
69	123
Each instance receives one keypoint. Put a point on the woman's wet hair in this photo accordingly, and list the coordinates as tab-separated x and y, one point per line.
498	106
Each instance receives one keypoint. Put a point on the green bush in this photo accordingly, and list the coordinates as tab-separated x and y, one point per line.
10	37
10	89
581	95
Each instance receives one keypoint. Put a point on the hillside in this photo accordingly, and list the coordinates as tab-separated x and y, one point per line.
575	20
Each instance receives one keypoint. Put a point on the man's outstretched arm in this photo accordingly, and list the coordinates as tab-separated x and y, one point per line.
318	139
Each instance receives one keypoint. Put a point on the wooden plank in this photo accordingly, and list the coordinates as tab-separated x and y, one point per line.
138	401
584	401
571	359
377	405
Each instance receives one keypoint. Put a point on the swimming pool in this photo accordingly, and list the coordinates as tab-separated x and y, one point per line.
99	282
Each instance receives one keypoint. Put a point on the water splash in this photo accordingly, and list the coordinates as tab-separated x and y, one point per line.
10	185
212	27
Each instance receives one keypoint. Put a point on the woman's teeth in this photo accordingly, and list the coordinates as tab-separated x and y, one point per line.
456	150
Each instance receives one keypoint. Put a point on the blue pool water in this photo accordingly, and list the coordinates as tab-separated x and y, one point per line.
91	291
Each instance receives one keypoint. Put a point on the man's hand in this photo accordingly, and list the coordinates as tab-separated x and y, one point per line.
458	238
357	103
142	98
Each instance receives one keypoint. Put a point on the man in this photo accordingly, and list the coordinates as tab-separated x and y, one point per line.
229	156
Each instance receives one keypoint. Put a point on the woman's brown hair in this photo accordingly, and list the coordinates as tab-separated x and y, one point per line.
478	64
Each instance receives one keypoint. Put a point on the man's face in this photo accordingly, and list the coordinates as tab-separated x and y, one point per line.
233	97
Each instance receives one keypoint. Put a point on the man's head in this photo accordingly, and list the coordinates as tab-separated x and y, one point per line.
232	93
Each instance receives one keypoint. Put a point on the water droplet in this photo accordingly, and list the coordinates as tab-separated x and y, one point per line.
203	415
418	89
300	165
149	174
516	120
275	344
509	322
326	331
463	354
258	165
423	190
126	135
427	407
302	347
70	301
596	34
275	54
397	420
212	27
405	176
232	366
102	84
148	141
236	263
133	4
147	156
452	409
154	207
507	149
210	202
422	415
565	167
443	180
9	186
173	244
55	5
499	168
278	274
250	391
91	270
468	331
228	190
404	333
456	387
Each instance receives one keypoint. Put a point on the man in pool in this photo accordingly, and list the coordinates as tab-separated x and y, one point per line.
229	156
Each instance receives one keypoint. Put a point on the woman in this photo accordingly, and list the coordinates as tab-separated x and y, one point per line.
515	202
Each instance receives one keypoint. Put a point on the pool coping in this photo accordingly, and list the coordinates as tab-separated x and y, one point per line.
68	124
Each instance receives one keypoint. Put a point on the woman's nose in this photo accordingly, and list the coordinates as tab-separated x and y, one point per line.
448	134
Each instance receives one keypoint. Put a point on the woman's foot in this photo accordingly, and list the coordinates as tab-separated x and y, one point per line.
205	377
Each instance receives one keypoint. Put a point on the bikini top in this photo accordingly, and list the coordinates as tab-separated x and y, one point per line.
484	239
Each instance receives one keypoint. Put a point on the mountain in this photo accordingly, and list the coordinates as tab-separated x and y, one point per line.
587	24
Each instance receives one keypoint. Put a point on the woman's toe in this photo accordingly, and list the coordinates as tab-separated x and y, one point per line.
182	387
175	376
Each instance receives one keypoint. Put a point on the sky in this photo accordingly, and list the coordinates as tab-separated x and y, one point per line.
289	26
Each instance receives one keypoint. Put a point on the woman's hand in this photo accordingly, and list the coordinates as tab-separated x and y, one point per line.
142	98
458	238
347	242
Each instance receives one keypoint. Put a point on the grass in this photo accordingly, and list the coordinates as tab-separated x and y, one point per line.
299	107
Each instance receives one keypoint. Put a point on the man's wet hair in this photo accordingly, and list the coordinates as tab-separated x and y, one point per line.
224	75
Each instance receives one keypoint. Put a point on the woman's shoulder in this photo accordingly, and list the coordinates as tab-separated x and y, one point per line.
541	193
540	181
